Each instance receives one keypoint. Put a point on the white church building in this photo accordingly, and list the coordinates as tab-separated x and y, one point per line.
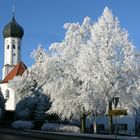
13	66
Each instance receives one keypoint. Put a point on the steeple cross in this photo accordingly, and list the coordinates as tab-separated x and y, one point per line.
13	10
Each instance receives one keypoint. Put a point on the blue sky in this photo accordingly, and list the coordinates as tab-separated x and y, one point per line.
43	20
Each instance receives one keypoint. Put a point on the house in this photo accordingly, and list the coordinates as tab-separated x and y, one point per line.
125	125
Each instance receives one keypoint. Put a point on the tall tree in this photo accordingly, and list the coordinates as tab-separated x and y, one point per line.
95	63
108	61
65	85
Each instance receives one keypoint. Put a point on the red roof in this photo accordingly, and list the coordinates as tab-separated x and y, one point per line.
17	70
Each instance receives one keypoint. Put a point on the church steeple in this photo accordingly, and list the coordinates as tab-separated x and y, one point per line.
13	29
12	34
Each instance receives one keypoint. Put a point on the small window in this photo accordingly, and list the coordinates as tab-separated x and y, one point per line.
7	46
14	54
18	47
120	126
7	94
100	127
14	46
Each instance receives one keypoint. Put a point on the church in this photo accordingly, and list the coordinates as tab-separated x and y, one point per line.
13	65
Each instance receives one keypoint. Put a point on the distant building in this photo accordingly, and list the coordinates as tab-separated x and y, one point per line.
125	125
13	66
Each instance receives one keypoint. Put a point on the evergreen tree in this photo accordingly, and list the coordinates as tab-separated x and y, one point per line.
2	101
2	105
42	106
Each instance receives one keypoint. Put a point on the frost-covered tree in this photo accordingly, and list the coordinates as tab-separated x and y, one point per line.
25	108
41	107
107	62
31	81
65	85
29	88
93	64
40	54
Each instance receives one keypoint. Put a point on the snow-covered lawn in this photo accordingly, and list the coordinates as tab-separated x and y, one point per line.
22	125
59	127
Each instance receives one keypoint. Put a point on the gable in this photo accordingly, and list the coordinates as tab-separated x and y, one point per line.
17	70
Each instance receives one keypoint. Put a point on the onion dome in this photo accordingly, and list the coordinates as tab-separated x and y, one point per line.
13	29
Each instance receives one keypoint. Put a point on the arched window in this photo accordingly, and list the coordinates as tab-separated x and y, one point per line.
7	94
14	46
7	46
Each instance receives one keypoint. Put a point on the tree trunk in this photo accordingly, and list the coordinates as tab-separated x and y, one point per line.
110	118
83	123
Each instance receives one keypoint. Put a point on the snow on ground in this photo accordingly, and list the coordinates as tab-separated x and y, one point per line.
59	127
51	127
22	125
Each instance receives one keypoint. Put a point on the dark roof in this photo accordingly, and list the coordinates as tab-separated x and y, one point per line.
13	29
17	70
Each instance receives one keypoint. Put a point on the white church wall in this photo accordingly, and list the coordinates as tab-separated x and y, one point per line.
6	70
10	103
12	54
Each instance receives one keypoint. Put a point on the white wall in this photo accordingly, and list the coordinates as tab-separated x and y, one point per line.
9	58
10	103
129	120
12	56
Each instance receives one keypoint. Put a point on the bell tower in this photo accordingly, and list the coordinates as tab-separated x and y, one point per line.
12	34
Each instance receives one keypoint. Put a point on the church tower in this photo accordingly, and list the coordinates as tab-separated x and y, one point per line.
13	66
12	34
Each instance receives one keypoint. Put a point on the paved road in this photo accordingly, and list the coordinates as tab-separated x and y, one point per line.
10	134
22	137
16	137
